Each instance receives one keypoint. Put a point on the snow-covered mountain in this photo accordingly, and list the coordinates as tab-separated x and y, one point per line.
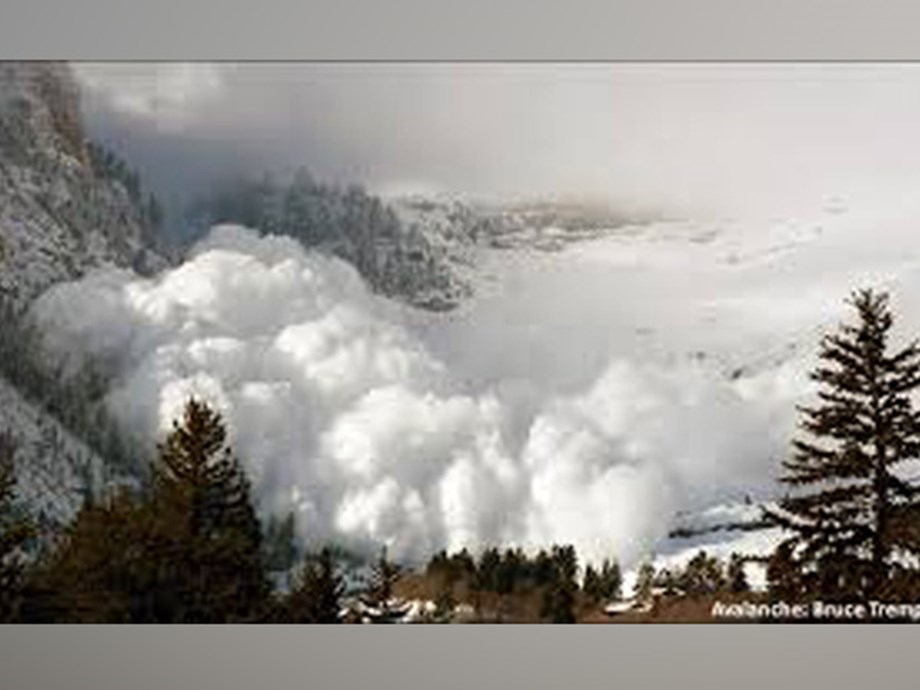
60	217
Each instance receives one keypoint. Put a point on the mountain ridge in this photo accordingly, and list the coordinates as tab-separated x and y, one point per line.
61	216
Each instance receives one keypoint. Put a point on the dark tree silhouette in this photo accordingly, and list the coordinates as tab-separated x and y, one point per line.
604	584
843	473
186	550
737	578
384	575
211	542
317	595
103	571
702	575
558	605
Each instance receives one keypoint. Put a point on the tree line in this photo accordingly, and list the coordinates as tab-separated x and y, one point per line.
107	164
75	399
184	547
186	544
395	258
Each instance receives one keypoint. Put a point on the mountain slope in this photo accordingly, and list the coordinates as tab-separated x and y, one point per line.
61	215
58	216
53	466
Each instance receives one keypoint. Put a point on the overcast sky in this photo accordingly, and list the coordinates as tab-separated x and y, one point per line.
710	138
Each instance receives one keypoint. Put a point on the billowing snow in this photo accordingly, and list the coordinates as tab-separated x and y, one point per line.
591	397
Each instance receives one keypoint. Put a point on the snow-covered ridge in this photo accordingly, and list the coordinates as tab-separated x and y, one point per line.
57	217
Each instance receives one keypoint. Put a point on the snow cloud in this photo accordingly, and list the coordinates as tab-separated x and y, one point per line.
377	424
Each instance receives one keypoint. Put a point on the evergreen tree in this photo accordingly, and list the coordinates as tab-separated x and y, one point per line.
611	580
558	605
543	569
384	576
463	563
843	471
645	582
510	571
702	575
186	550
487	573
317	596
737	578
668	581
784	582
591	584
103	571
210	538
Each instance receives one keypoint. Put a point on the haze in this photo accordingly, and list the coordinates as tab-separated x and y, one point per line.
686	139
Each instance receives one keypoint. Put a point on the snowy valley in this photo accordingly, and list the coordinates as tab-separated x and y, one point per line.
423	372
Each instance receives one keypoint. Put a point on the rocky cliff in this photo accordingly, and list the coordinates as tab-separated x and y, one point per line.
59	216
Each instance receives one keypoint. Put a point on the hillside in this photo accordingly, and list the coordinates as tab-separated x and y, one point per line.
61	215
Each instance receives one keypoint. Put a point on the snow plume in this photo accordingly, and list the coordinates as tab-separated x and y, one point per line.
349	412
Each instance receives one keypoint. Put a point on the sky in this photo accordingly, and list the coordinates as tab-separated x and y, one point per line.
694	139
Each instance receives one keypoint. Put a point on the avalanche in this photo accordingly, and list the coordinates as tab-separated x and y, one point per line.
597	394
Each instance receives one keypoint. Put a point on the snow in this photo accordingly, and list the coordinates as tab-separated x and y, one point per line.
601	386
56	218
599	395
618	607
51	464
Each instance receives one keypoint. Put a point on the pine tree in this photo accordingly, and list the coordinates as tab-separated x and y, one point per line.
185	550
702	575
783	577
605	584
847	489
669	582
384	576
509	571
487	572
611	580
103	571
210	539
591	584
737	578
558	605
645	582
317	596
